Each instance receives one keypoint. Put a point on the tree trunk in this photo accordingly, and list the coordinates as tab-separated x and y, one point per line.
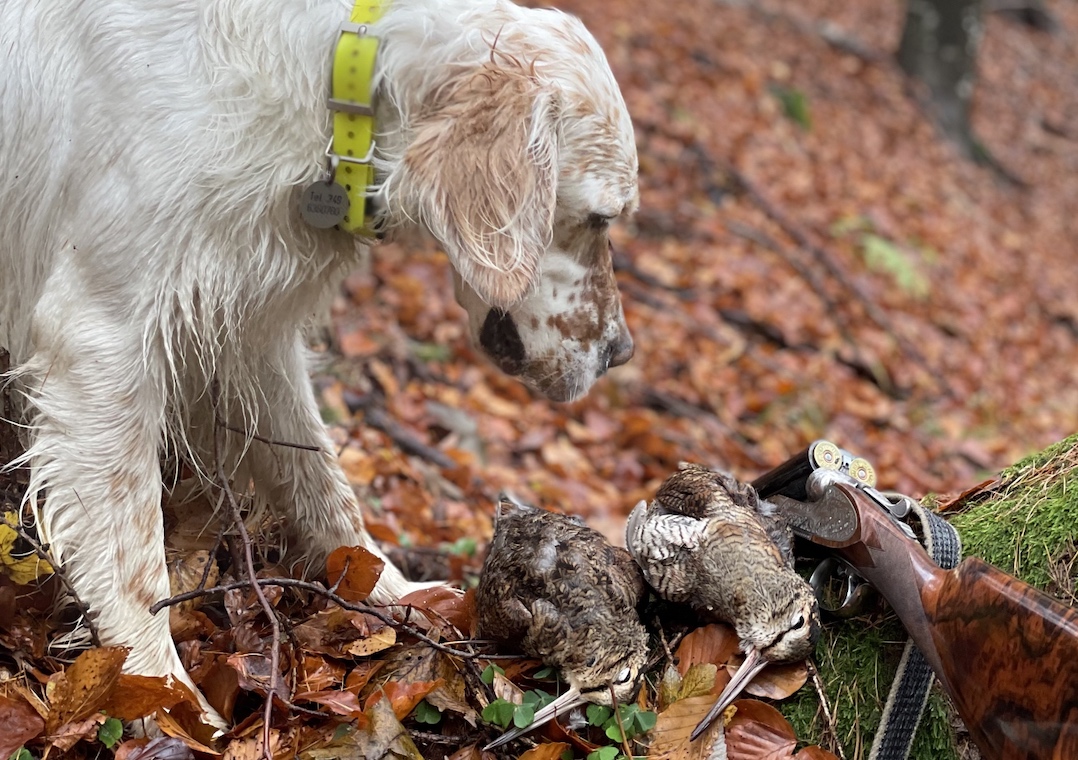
939	49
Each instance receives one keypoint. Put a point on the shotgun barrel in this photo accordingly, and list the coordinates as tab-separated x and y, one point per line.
1006	653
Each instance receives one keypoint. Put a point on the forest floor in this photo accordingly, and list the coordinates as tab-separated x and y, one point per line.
811	259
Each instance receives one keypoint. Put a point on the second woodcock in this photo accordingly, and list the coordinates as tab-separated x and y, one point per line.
710	542
557	590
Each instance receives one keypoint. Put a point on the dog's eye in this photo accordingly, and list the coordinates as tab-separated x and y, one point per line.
598	221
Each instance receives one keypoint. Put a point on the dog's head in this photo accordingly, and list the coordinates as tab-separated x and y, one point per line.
518	163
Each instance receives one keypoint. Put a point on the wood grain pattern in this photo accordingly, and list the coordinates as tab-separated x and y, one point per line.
1010	662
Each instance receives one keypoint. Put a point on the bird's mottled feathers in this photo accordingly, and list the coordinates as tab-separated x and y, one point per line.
557	590
709	541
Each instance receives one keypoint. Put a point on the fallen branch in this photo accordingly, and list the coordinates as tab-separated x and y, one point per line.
409	443
317	588
827	31
655	398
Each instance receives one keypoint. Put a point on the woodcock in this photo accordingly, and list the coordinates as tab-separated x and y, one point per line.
710	542
556	589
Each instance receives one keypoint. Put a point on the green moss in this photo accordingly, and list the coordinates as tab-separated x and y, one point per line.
1027	525
857	660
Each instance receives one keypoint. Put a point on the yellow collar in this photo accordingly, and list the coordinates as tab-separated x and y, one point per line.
352	149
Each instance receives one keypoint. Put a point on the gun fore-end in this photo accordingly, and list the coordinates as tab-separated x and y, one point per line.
1005	652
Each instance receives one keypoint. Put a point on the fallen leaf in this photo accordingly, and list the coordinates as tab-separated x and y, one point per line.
340	702
252	671
71	733
333	630
183	722
319	674
187	573
161	748
669	687
758	732
22	570
985	487
699	680
361	674
220	684
251	747
422	664
775	681
383	737
452	695
442	603
21	724
507	690
376	642
404	696
138	696
715	643
545	751
186	625
84	687
670	737
354	571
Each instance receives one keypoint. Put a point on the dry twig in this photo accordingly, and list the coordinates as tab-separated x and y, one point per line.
267	441
42	552
249	567
832	727
317	588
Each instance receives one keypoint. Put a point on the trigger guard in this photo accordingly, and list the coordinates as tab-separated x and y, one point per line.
856	593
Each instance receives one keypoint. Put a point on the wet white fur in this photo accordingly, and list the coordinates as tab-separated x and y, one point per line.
151	153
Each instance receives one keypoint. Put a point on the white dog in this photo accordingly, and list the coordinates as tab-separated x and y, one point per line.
152	158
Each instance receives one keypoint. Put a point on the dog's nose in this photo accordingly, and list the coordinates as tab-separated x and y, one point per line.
621	350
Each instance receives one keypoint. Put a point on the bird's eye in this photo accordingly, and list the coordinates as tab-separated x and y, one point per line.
797	623
623	676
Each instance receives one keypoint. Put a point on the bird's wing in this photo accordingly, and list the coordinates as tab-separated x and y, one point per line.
625	578
549	629
504	617
664	545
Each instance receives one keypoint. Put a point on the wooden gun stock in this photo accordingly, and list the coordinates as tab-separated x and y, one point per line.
1005	652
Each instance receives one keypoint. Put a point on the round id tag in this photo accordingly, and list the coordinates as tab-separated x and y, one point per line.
324	204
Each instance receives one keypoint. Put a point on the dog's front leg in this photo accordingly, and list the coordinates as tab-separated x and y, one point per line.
97	404
308	487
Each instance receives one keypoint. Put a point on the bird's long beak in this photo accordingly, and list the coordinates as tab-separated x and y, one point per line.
752	665
561	705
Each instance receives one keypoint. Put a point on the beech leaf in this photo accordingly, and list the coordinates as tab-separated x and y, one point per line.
84	687
21	724
354	571
715	643
776	682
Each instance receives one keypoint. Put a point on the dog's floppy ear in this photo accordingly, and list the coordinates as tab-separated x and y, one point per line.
482	173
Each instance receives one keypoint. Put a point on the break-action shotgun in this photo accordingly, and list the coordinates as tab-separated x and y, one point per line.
1005	652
